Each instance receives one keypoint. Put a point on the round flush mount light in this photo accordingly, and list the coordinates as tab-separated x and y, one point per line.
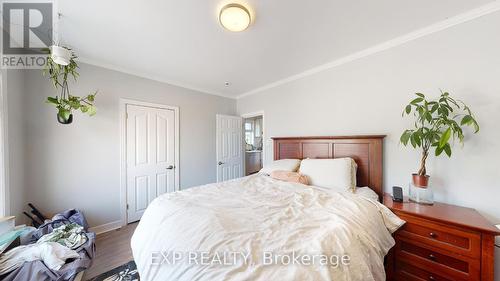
234	17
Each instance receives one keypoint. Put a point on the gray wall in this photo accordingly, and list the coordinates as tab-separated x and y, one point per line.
77	165
367	97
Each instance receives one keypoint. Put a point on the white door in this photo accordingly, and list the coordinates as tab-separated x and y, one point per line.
229	148
150	156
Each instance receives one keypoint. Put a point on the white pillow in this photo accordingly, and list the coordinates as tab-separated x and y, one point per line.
367	192
289	165
339	173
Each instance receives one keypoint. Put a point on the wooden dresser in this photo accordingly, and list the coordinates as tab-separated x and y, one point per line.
441	242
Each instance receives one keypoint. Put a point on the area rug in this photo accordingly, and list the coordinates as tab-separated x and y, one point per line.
126	272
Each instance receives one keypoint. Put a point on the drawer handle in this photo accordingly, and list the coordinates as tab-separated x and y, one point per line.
433	235
432	257
432	278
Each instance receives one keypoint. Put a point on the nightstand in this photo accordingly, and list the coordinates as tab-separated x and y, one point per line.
441	242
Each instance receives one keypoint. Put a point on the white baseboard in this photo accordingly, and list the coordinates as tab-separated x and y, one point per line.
103	228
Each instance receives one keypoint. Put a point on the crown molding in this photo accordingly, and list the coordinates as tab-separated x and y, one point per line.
433	28
151	77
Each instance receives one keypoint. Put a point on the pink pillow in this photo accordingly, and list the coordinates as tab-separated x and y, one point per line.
289	177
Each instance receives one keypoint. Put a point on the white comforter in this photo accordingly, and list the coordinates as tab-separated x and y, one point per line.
245	229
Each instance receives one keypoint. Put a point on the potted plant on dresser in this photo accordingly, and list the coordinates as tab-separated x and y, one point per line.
437	125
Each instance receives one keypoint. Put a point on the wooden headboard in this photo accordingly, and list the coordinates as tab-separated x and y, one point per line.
365	150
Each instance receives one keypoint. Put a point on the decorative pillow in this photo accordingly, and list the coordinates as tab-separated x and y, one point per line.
289	165
289	177
339	173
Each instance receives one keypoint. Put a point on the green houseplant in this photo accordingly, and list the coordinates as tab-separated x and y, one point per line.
59	70
437	124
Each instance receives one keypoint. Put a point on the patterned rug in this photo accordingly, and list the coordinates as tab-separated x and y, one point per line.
126	272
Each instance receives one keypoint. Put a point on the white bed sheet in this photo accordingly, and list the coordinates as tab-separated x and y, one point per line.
260	219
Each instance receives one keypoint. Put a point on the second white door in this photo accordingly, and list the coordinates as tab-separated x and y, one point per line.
229	147
151	156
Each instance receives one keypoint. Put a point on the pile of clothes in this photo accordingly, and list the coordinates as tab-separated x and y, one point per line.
58	250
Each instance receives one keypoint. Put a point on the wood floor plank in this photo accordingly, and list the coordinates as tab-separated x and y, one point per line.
112	250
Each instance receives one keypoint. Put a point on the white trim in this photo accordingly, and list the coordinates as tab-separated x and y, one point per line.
123	149
107	227
264	150
153	77
436	27
252	114
4	148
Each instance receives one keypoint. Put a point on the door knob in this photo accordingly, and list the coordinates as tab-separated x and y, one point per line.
170	167
220	163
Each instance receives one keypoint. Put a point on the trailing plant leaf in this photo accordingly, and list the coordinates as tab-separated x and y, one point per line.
408	109
92	110
52	100
437	123
466	120
416	101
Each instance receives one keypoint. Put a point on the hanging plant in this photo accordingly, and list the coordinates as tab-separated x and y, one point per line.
60	66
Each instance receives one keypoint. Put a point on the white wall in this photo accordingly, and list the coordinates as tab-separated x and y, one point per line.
367	97
77	165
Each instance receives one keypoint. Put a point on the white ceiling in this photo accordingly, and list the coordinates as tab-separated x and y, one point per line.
181	41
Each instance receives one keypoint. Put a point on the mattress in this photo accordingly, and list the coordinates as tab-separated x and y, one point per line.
258	228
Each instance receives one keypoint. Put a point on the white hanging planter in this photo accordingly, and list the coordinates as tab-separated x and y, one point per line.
60	55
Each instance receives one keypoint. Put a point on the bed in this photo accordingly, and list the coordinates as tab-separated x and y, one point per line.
259	228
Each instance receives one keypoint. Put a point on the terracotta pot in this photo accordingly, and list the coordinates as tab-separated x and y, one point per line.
63	121
420	181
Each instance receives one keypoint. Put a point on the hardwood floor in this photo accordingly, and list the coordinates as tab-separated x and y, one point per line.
112	250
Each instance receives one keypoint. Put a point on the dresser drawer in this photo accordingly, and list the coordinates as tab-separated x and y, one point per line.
452	239
408	272
435	260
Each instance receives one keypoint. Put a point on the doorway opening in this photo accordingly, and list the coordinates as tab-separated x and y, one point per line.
253	128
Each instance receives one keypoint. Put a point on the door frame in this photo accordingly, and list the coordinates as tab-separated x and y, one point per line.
123	149
5	209
264	141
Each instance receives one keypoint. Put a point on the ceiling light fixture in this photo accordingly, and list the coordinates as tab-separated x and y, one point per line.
235	17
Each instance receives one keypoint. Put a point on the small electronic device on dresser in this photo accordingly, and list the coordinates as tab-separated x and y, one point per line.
441	242
397	194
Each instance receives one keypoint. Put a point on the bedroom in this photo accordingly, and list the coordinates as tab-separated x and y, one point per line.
315	69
